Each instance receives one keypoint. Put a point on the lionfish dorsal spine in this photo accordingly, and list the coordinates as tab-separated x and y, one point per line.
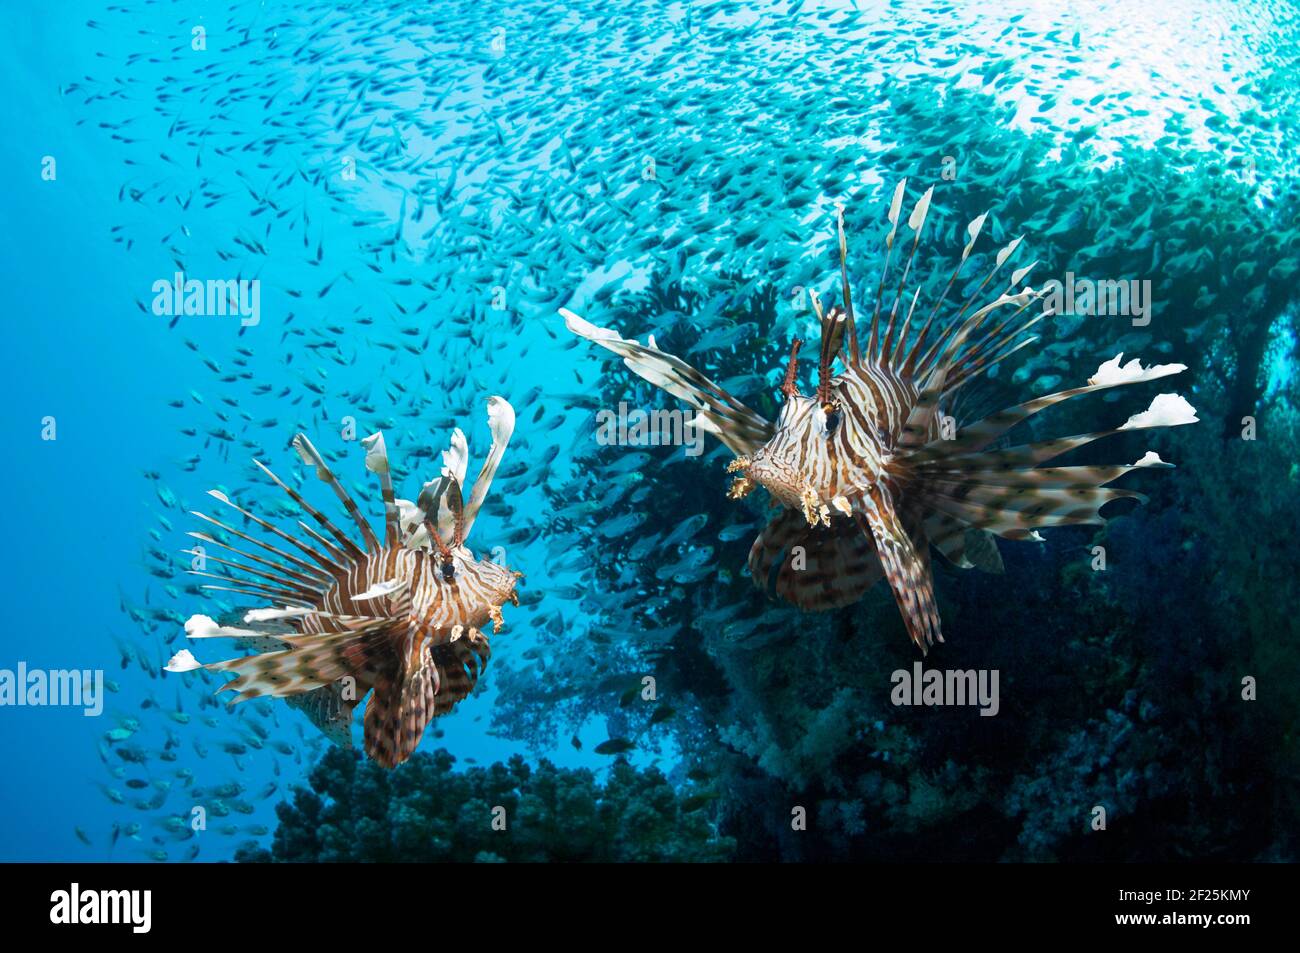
349	550
377	463
846	290
311	456
501	424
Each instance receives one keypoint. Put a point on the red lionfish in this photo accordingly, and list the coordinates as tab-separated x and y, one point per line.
402	615
861	472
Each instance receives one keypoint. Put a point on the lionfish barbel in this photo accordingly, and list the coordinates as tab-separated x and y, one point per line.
863	475
399	617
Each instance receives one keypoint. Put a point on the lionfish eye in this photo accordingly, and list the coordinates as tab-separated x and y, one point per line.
448	571
832	412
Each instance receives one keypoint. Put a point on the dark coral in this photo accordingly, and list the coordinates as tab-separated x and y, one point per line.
429	812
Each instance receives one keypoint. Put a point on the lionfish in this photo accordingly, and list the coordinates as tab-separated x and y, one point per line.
400	617
867	473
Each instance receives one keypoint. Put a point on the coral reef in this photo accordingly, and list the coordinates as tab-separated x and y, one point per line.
429	812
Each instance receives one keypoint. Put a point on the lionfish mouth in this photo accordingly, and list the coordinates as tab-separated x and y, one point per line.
784	489
743	485
507	592
512	591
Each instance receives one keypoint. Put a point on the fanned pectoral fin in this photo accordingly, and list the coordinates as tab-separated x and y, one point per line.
820	567
460	663
906	562
438	670
740	428
401	707
312	662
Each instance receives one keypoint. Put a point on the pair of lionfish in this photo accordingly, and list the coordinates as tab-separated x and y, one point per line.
865	476
400	617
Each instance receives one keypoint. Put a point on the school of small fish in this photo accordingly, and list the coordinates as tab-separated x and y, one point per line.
419	189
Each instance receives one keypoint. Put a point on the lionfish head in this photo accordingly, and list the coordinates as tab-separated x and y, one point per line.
497	580
794	465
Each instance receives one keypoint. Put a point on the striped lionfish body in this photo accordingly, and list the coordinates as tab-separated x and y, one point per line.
867	474
399	617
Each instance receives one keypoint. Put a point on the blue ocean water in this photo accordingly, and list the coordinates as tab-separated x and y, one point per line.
509	161
111	369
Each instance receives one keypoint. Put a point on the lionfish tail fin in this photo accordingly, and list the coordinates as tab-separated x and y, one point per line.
330	708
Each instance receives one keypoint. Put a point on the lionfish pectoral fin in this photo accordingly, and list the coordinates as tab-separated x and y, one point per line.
1014	504
311	662
816	568
1168	410
721	414
764	555
429	682
400	708
330	708
460	663
906	561
1006	492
